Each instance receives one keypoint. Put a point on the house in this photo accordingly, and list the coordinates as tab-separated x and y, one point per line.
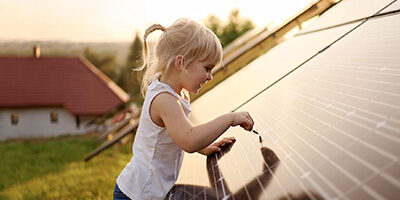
49	96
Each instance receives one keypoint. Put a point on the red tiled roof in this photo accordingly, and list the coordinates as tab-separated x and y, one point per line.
73	83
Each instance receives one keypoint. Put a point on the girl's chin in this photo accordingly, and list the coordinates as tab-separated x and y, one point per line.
194	90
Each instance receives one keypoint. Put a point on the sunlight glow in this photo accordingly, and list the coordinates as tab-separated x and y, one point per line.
105	20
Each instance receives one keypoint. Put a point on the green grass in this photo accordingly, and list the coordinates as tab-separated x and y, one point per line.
54	169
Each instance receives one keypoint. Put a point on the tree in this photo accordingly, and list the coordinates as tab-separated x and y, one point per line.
232	29
214	24
130	80
106	64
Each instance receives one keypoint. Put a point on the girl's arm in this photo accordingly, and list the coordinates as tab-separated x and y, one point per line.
189	137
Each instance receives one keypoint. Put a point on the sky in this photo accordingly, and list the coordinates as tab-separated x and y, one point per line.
119	20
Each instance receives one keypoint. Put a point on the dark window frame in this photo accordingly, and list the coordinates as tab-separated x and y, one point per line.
54	117
14	118
78	121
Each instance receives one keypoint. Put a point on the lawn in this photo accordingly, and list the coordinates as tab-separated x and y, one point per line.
54	168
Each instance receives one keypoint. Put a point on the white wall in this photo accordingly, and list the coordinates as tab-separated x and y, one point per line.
36	122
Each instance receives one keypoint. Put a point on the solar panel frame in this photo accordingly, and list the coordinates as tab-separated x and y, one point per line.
345	11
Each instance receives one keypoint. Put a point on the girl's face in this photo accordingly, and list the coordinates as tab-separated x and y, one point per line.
196	74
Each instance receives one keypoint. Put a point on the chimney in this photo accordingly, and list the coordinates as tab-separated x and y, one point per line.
36	51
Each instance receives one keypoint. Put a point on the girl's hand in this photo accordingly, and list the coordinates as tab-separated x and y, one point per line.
216	147
243	119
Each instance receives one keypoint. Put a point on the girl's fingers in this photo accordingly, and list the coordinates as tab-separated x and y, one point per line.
219	143
226	140
215	148
250	122
247	126
230	138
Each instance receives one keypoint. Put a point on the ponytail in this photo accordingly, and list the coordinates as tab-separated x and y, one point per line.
146	56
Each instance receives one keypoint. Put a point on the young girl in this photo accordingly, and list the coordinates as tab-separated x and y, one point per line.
185	54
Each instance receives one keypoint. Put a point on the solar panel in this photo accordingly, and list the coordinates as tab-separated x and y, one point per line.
347	10
331	128
393	7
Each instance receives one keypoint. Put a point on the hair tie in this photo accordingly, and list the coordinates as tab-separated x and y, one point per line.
153	28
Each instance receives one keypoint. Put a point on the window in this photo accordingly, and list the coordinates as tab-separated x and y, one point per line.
78	122
14	118
54	117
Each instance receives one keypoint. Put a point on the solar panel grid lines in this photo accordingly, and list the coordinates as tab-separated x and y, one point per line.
383	184
377	123
218	180
241	178
231	173
302	171
327	158
273	176
195	192
363	83
218	172
394	171
225	195
339	147
213	182
184	187
366	92
357	159
291	172
390	138
295	152
390	156
335	106
206	179
373	130
349	113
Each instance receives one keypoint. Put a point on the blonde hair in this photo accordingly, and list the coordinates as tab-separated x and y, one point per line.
184	37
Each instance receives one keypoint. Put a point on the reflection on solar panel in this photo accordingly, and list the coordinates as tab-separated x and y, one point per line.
331	128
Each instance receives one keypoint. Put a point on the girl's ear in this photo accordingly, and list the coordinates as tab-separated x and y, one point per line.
178	62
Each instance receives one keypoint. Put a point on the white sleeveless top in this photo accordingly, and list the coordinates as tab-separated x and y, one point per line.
156	161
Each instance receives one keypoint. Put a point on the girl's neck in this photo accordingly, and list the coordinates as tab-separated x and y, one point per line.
172	81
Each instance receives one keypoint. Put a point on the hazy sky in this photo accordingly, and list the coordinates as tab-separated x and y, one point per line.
117	20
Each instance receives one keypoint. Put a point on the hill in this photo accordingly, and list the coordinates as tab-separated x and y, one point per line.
65	48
